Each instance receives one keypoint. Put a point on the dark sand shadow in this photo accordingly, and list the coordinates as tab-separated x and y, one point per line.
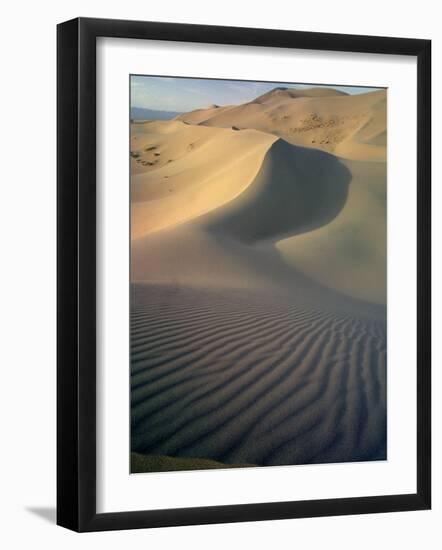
296	190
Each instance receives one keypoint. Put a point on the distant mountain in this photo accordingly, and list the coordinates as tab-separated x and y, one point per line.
139	113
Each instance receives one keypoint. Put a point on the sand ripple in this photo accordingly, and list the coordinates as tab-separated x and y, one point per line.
245	377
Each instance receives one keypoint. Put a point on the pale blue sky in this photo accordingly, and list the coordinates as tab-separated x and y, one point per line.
185	94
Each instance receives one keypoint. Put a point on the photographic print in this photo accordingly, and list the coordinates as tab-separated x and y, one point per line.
258	273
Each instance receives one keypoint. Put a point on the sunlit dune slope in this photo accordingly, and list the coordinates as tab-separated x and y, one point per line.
351	126
181	171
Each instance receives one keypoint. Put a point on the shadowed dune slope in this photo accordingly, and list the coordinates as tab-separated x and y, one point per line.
305	187
350	126
349	253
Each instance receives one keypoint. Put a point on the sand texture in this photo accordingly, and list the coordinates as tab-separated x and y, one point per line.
258	268
238	376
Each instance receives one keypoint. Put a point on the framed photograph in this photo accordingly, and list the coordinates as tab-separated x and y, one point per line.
243	274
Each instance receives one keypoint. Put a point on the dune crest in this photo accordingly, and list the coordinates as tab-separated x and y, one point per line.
180	171
283	93
306	187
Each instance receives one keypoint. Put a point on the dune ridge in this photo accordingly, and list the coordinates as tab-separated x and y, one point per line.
180	172
289	181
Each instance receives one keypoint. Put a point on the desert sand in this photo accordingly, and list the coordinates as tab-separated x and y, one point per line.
258	265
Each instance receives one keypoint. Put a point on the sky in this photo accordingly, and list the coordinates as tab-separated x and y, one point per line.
186	94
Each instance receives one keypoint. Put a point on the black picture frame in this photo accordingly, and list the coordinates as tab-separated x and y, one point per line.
76	274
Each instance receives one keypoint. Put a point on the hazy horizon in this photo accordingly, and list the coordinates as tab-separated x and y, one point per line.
182	94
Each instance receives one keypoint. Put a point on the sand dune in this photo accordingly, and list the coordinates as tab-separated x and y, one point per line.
282	93
240	376
347	125
181	171
330	223
306	187
258	265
